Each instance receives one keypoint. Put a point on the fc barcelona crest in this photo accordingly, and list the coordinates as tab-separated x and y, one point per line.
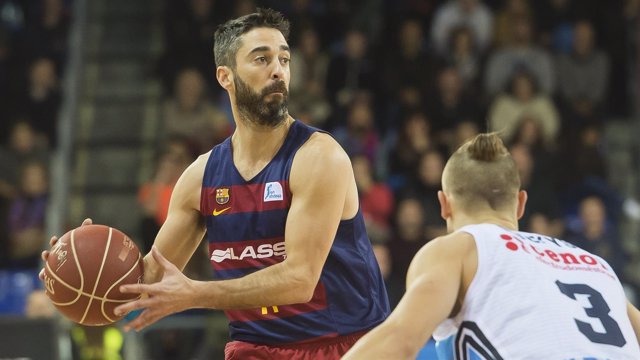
222	196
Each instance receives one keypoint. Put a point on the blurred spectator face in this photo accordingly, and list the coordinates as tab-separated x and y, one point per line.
539	224
244	7
590	136
529	131
462	41
22	139
522	87
34	179
384	259
411	37
43	74
592	212
449	81
519	7
309	44
522	30
189	88
465	131
410	220
362	173
53	8
468	5
524	162
583	38
431	167
355	45
360	117
201	8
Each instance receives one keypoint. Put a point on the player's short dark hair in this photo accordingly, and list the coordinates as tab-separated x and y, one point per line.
227	36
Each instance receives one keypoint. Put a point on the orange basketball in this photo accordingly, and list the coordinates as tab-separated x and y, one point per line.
84	272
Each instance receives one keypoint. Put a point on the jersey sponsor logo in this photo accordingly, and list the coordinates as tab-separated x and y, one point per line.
217	212
273	192
564	260
222	196
253	252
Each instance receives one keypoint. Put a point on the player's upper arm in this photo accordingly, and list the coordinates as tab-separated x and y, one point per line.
634	316
433	286
184	229
320	176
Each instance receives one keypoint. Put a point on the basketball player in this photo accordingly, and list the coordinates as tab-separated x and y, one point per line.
279	205
489	291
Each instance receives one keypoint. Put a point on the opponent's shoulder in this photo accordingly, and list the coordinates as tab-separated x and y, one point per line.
457	244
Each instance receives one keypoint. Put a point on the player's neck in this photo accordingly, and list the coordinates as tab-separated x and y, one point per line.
506	221
256	142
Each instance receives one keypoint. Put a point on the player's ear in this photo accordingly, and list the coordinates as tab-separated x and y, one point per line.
224	75
445	205
522	201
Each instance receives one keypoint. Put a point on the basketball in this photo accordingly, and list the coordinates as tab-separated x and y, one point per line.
84	272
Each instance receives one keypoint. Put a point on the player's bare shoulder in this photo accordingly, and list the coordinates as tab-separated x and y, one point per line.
319	157
188	188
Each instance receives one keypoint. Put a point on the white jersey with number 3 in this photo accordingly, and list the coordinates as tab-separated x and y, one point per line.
536	297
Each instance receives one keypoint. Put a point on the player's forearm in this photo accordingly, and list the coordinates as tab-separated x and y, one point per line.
279	284
385	342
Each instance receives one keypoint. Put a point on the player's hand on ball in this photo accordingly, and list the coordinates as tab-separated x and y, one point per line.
169	296
52	242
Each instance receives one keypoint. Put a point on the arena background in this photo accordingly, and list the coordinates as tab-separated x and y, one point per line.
104	103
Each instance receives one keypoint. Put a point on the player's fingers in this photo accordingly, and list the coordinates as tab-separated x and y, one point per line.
145	319
87	221
132	306
53	241
44	255
166	264
137	288
41	274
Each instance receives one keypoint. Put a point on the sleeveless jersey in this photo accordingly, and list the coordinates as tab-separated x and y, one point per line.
536	297
245	228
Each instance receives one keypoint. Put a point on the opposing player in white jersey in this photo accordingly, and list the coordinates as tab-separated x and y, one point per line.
488	291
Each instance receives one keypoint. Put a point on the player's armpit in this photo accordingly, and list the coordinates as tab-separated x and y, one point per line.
433	284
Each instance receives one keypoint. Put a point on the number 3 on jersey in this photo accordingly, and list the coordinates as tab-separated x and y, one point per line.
599	310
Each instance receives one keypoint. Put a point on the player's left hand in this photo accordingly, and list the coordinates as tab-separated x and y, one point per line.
164	298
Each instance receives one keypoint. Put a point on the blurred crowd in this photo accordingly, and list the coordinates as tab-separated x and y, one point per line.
399	83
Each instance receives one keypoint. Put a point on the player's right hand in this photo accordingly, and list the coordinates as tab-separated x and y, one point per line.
52	242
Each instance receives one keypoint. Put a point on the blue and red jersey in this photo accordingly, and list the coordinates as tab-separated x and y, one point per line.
245	229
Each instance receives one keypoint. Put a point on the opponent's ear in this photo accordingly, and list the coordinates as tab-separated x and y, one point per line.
445	205
224	75
522	201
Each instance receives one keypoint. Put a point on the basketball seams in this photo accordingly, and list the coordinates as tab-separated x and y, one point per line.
115	283
80	292
97	280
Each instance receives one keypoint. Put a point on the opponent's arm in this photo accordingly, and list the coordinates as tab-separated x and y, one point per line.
184	228
433	283
634	316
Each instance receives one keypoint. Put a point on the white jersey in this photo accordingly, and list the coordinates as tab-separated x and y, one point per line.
536	297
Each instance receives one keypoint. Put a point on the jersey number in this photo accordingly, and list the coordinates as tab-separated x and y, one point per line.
598	310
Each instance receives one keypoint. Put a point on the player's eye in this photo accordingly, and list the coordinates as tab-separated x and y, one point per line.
261	59
285	60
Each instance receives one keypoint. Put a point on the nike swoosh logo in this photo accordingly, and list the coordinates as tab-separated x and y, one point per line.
217	212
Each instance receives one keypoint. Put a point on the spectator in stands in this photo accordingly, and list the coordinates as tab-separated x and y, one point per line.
155	194
376	200
465	58
394	286
556	18
408	235
47	33
583	76
41	101
543	208
308	79
27	217
350	72
523	100
407	69
424	186
413	139
521	54
450	106
505	17
359	136
190	114
594	232
471	13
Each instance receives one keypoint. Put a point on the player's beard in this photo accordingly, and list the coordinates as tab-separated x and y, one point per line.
254	107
